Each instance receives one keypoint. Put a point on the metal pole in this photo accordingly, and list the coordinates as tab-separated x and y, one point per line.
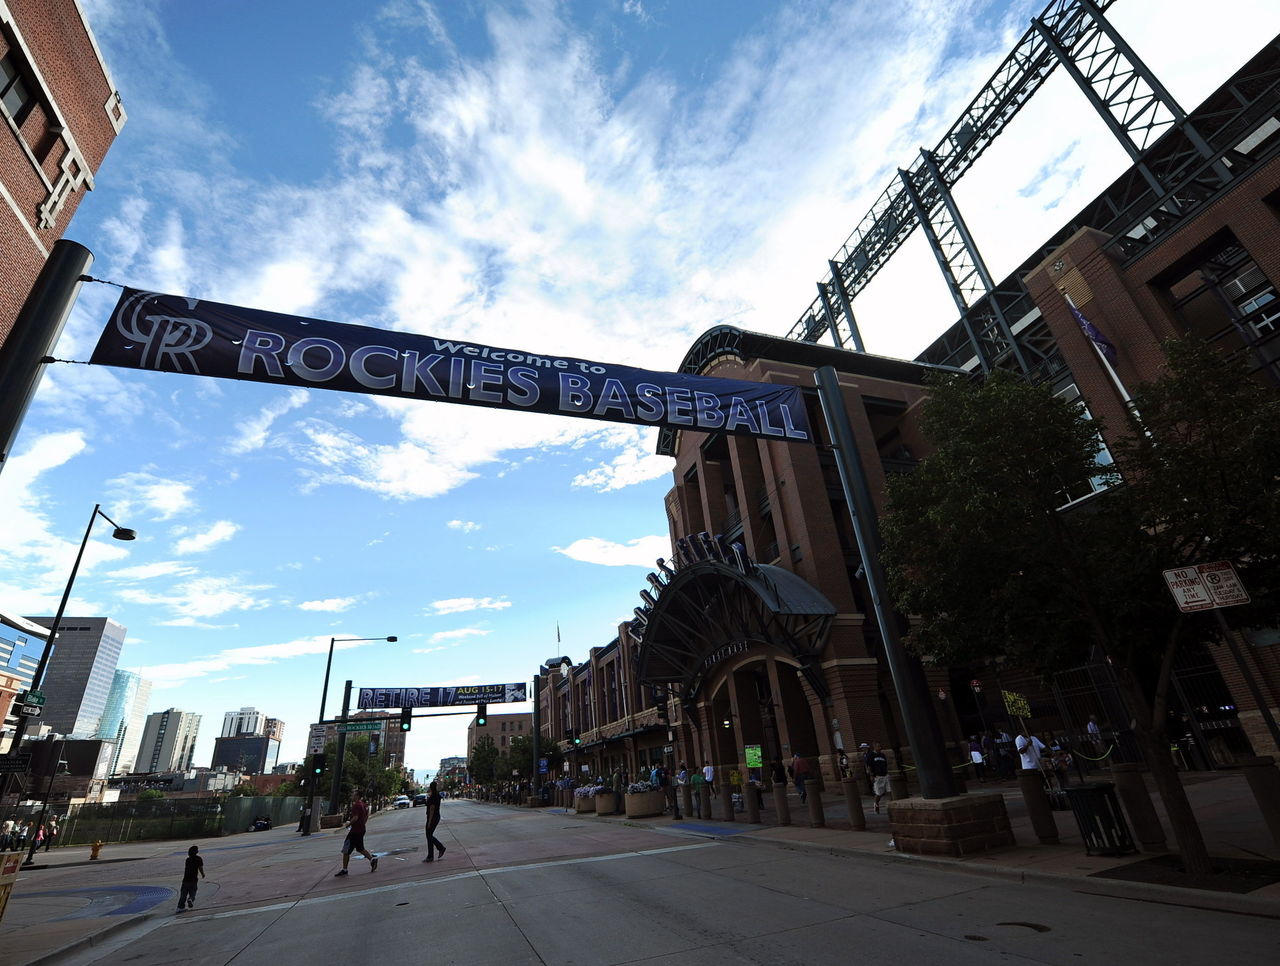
923	732
313	779
35	332
537	724
44	805
336	787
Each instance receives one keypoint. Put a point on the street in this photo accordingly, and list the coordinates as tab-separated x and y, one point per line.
521	886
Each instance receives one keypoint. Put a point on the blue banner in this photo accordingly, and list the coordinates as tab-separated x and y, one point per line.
170	333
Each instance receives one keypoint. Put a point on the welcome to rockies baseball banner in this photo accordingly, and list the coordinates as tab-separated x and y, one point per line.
170	333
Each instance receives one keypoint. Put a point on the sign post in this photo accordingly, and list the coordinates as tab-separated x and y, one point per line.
1212	586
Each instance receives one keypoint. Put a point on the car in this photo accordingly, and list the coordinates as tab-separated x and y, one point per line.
419	800
401	802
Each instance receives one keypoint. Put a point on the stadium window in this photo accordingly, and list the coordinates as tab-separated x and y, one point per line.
15	94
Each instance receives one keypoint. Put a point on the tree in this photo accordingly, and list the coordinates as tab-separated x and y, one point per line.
979	547
150	795
483	762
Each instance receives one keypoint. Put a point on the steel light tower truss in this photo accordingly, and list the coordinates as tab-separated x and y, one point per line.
1137	109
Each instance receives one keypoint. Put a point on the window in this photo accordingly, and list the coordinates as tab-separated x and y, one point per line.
14	92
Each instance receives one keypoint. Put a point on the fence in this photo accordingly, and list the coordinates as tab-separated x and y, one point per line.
133	821
240	813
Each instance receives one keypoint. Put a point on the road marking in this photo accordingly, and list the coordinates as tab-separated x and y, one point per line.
419	883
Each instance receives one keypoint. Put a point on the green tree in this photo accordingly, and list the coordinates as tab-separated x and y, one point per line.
150	795
483	763
979	547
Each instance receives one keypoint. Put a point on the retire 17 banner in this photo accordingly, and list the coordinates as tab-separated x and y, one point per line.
171	333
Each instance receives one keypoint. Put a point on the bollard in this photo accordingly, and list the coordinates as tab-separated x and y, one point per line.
780	803
853	800
1031	783
686	801
1264	781
1136	799
704	803
726	802
751	793
813	795
897	785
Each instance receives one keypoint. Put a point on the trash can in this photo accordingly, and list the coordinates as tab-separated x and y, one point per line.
1101	823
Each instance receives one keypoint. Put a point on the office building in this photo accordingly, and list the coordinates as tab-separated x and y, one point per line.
79	674
21	643
123	718
168	742
247	754
246	721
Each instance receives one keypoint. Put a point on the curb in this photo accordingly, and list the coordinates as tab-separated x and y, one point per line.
85	942
1230	902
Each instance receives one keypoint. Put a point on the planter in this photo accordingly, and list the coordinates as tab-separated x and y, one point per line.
606	803
644	804
581	804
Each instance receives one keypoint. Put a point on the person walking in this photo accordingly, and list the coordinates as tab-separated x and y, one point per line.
878	769
709	776
355	837
800	775
50	832
191	875
433	819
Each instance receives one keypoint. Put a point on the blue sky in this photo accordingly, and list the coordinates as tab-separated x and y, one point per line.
604	180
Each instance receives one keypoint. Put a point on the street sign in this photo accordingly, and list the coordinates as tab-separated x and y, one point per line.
1206	586
30	697
668	749
31	710
315	740
350	726
542	766
11	764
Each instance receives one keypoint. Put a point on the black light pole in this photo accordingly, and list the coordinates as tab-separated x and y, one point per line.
313	779
20	729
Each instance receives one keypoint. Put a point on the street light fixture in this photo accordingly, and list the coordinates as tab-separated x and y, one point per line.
119	533
309	813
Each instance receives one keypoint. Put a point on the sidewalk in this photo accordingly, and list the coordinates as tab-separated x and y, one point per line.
1232	825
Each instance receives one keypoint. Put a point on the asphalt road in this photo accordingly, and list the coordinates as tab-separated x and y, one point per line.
522	887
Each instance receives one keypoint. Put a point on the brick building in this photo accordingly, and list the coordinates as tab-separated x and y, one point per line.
501	728
59	113
760	621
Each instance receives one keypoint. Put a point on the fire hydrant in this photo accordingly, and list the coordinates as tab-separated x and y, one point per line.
95	848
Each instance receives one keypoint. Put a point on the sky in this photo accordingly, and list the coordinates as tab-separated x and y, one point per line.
602	179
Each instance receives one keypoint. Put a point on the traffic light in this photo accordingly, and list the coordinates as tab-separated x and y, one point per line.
482	715
406	719
318	763
577	738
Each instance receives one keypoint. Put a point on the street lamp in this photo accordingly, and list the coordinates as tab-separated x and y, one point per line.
324	693
119	533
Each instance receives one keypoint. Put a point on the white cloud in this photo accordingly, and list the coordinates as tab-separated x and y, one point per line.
330	604
641	552
457	636
160	568
220	532
466	526
180	672
636	463
461	605
201	597
163	498
253	433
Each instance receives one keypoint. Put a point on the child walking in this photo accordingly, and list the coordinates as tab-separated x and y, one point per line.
195	867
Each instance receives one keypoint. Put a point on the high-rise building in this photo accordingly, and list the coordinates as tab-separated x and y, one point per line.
59	113
168	741
21	642
78	676
246	721
123	717
274	728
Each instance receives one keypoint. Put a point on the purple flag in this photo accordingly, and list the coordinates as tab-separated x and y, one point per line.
1099	340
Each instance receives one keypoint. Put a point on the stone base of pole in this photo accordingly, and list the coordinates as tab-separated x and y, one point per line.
781	804
853	800
1031	784
1264	781
897	785
1136	799
813	798
704	803
726	803
686	801
751	792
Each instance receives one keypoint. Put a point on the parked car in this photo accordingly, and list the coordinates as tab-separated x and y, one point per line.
402	802
419	800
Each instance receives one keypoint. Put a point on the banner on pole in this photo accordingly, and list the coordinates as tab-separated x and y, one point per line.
442	697
170	333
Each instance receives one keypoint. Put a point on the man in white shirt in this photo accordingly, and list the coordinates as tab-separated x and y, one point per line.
1029	748
709	775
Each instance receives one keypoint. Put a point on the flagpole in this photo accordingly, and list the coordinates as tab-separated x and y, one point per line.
1102	357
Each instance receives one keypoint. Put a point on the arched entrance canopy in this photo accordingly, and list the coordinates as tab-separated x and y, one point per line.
710	610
